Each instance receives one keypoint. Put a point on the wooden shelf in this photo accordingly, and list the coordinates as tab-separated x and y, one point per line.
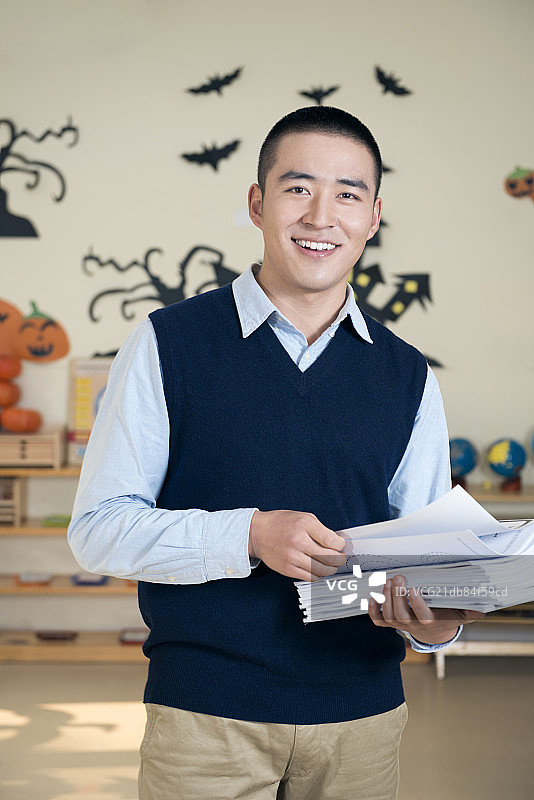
32	527
89	646
493	494
62	585
503	618
40	472
15	502
25	646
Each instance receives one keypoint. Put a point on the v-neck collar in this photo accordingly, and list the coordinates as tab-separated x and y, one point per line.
331	358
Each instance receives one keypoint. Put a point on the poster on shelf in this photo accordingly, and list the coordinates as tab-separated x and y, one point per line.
87	382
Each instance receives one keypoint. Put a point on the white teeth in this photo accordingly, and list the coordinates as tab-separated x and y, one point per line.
315	245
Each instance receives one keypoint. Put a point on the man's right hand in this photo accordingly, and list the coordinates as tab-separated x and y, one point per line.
295	544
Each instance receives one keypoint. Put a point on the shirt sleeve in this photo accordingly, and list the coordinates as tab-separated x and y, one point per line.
424	473
116	528
421	647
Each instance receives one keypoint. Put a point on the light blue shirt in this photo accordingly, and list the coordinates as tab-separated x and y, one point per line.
116	528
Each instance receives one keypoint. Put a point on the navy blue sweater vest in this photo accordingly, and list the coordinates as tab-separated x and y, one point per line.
248	428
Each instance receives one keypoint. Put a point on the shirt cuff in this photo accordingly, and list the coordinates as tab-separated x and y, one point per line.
225	542
421	647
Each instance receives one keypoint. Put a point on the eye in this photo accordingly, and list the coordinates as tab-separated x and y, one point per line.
297	190
348	196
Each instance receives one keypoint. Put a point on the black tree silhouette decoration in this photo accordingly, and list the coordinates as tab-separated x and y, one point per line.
11	160
153	288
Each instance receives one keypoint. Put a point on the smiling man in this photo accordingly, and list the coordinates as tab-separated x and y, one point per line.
317	208
239	431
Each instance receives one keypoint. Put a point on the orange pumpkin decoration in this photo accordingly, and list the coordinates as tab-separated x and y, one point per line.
41	338
520	183
10	367
9	393
10	321
20	420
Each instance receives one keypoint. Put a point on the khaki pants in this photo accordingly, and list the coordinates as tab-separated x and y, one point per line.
190	756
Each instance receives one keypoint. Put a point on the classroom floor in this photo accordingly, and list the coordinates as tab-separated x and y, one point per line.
73	731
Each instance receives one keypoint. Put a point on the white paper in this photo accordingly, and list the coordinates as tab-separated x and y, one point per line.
454	547
455	511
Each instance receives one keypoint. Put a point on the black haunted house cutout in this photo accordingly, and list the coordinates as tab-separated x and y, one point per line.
12	160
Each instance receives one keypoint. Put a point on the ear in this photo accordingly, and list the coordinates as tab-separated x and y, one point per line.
377	215
255	205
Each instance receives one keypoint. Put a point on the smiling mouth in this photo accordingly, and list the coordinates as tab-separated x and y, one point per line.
40	352
308	245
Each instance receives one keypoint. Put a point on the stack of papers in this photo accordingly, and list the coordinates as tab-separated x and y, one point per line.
453	551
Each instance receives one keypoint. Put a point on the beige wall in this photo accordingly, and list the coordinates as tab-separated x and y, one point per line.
120	68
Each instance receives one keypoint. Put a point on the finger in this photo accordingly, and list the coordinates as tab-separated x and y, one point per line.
402	612
299	574
320	569
323	535
375	613
419	606
387	604
303	568
310	570
326	554
330	558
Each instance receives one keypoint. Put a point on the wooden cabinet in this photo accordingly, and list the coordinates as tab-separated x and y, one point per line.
17	524
13	489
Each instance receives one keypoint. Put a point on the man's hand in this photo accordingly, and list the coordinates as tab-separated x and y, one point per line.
427	625
295	544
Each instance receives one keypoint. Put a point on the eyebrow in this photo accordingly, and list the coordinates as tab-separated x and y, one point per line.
292	175
29	324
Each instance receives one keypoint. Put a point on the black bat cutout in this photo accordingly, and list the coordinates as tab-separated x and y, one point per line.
212	155
217	83
390	83
318	93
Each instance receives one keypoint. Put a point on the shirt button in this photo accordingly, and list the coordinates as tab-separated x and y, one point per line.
229	571
306	356
172	579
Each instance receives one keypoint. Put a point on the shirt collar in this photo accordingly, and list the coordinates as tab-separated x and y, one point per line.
254	307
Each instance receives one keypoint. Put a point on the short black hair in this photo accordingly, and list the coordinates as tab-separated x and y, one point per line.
318	119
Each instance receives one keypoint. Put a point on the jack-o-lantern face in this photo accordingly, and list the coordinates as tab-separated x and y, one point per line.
520	183
10	321
41	338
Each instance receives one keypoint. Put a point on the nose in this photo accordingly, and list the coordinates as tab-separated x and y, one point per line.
320	212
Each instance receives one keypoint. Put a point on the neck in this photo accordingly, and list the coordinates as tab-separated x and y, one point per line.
310	312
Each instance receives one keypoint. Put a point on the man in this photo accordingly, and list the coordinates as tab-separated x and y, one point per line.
241	429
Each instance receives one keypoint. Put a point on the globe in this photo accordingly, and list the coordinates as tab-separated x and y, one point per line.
463	457
506	457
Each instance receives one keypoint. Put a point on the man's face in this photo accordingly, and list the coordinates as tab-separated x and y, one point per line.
317	212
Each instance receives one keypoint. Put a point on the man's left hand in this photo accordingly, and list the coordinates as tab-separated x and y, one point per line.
427	625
